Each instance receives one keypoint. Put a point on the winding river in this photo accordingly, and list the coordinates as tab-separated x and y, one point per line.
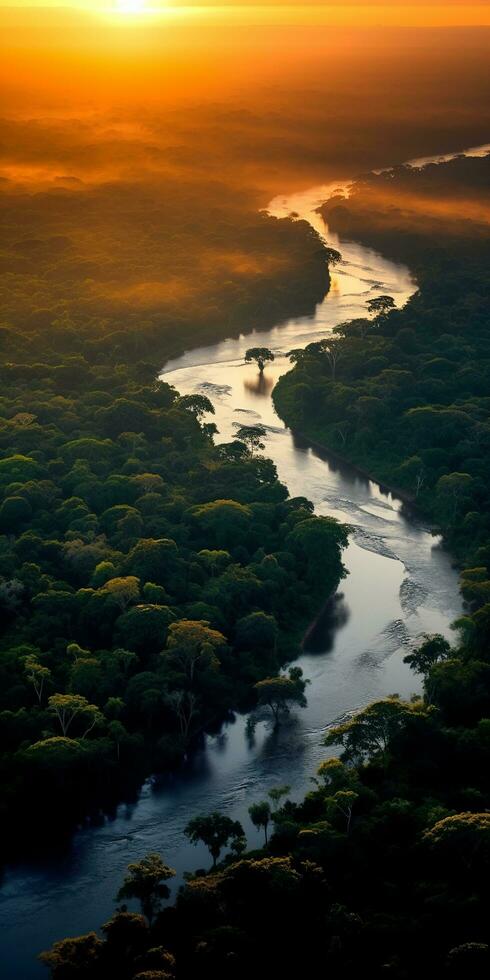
400	584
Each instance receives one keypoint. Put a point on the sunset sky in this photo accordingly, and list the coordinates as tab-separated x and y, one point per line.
348	12
344	84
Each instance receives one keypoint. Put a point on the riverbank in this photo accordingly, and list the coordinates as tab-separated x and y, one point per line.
407	403
309	437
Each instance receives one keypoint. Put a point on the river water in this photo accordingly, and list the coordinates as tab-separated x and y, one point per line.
400	585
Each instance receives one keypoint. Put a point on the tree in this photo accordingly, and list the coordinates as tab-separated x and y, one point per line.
260	815
252	436
463	838
257	631
340	782
86	677
335	775
77	652
67	707
342	430
412	473
297	355
280	692
199	405
260	355
104	571
214	562
331	256
11	593
126	936
114	708
185	705
58	754
332	351
144	627
358	327
148	483
154	560
343	800
18	469
434	650
117	733
71	958
191	644
318	541
146	882
276	794
451	492
380	306
23	418
155	595
123	590
37	674
371	731
223	523
215	831
14	512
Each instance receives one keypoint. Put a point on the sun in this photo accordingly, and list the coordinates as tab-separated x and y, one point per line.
131	6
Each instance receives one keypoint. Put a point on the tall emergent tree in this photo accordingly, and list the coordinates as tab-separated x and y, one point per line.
146	882
216	832
192	644
370	732
67	707
260	355
37	674
380	306
260	815
279	693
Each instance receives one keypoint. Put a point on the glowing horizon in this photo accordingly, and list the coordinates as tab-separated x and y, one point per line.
350	13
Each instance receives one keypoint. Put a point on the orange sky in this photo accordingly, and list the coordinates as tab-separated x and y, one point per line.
347	12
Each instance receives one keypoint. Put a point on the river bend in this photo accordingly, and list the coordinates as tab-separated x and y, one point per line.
400	585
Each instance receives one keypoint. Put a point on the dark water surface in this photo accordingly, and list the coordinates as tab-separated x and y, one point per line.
400	585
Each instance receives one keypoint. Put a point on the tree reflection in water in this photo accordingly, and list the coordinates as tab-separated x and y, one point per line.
261	385
321	635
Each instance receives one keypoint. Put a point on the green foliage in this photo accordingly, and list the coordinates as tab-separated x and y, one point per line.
251	436
215	831
408	398
72	958
193	645
199	405
57	752
383	868
261	355
68	707
379	306
146	882
260	815
372	730
279	693
140	569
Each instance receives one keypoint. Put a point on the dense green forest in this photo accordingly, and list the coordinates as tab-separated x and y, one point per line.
126	268
383	868
149	580
404	393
